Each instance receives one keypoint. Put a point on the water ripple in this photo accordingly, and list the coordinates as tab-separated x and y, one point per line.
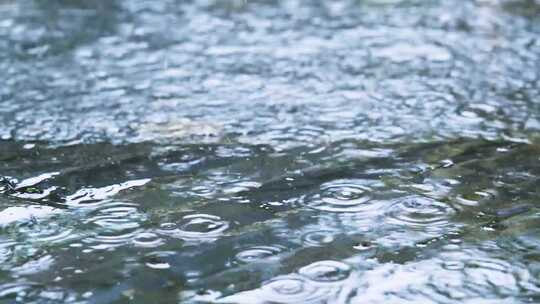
319	282
343	196
51	234
319	237
290	289
195	227
116	224
258	253
326	271
147	240
419	212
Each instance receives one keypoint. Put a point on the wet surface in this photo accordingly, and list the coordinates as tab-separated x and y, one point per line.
270	151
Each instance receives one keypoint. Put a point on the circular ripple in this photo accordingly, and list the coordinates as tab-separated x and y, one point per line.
341	196
258	253
116	216
158	259
109	239
290	289
196	226
319	238
116	224
52	234
326	271
419	211
147	240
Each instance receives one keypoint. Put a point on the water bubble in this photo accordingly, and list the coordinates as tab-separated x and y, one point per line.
326	271
419	211
341	196
258	253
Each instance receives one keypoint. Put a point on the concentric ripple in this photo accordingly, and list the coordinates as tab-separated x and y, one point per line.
258	253
51	233
320	282
147	240
117	224
319	238
326	271
290	289
419	211
196	227
342	196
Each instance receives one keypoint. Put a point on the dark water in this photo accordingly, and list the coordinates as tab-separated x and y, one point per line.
270	151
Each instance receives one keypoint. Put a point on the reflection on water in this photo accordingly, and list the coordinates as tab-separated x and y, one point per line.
269	152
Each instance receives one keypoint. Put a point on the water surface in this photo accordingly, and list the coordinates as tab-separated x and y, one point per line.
226	151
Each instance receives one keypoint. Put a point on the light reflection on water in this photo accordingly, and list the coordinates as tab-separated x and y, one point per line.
258	151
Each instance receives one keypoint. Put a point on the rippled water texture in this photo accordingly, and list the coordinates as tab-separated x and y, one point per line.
230	151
